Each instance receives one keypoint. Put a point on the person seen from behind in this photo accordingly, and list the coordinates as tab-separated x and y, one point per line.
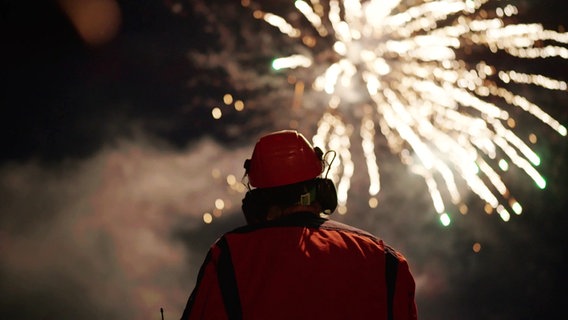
291	261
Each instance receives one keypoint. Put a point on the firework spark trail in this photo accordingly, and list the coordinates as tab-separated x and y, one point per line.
435	108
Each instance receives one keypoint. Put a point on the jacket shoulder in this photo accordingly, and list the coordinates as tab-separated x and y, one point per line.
304	221
339	226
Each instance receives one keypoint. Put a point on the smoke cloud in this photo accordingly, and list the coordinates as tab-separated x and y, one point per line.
96	238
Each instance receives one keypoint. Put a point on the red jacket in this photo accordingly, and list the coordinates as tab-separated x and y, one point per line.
302	267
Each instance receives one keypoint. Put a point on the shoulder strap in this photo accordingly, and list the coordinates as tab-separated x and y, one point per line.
391	266
228	282
191	300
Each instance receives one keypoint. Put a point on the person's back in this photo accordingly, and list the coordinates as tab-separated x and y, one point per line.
306	267
298	265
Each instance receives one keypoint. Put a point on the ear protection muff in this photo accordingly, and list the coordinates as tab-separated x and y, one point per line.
326	195
254	206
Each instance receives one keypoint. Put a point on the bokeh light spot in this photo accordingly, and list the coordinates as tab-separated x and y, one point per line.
476	247
96	21
445	219
231	179
228	99
503	164
373	202
216	113
219	204
239	105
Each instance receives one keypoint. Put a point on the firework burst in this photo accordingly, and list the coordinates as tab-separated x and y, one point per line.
409	69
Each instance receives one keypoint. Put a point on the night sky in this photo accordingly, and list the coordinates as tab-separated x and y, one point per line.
111	156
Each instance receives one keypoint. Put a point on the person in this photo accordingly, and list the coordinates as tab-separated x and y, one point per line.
290	261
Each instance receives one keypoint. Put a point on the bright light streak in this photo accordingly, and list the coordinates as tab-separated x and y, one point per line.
291	62
517	208
281	24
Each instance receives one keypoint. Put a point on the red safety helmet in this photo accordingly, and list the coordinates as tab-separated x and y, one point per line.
282	158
